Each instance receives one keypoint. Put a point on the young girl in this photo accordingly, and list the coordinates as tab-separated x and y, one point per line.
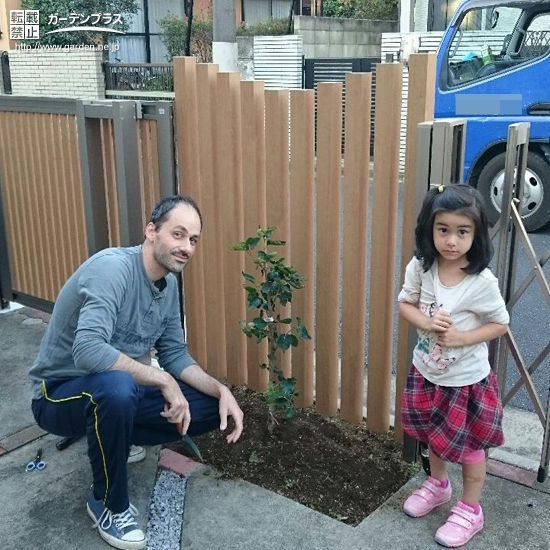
451	396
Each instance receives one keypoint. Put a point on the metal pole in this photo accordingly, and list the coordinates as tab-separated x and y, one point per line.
224	45
514	178
545	456
5	276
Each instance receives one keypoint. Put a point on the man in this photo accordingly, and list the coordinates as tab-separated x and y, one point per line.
90	377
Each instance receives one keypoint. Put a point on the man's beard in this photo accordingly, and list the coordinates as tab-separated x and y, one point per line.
167	261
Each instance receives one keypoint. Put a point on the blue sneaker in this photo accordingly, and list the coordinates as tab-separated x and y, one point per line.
118	530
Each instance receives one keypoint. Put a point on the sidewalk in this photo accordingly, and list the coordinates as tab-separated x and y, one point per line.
46	510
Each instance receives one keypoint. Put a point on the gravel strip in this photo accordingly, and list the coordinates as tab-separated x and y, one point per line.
166	512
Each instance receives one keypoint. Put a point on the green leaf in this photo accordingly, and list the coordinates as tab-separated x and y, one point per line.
259	323
286	321
248	277
241	247
256	303
266	233
284	341
271	242
302	330
252	242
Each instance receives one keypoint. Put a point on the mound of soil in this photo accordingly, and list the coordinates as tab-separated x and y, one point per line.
339	469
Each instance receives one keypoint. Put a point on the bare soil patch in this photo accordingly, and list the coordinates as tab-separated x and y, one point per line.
336	468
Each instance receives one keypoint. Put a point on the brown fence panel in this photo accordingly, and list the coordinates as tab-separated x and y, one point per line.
254	191
329	143
420	108
74	174
384	235
229	186
278	183
250	177
302	201
212	235
356	174
110	181
43	202
149	169
187	125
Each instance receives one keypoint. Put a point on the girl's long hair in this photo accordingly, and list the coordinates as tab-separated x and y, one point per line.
459	199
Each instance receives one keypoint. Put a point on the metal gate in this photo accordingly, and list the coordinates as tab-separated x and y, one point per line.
75	177
440	160
512	234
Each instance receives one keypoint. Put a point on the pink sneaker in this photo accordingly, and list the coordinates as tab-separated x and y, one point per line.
429	496
461	526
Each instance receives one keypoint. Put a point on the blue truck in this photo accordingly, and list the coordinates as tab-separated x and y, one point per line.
493	69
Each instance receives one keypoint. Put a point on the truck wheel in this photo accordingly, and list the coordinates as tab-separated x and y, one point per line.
535	206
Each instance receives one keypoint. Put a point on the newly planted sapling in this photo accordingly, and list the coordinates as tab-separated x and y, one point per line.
274	288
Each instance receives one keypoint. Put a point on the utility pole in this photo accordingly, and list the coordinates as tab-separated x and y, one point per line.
224	45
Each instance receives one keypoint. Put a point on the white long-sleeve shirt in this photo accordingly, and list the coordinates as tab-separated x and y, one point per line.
475	299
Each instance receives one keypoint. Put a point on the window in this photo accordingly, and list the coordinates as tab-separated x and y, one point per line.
491	40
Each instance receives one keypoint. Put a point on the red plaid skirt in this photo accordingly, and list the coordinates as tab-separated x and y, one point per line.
452	420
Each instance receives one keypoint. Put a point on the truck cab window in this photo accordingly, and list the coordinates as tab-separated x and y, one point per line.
490	40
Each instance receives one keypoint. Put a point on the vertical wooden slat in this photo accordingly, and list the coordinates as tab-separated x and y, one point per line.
77	206
212	235
278	183
154	194
144	156
356	174
59	200
63	153
420	108
109	177
384	230
7	160
329	143
302	200
229	188
24	176
46	160
186	116
19	232
254	194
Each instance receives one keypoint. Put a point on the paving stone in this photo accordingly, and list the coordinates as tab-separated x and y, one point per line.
22	437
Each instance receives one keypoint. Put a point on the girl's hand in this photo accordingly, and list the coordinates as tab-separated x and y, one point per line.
451	338
440	322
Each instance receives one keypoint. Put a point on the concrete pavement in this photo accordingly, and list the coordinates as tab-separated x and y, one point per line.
46	509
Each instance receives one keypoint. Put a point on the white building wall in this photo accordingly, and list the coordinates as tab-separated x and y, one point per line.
76	74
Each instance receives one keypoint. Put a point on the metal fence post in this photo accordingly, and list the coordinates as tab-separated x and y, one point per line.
514	179
162	112
5	277
447	153
93	188
127	171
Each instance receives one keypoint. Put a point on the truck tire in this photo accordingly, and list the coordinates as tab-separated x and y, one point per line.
535	207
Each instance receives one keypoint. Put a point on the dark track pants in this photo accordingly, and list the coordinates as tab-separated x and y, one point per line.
114	412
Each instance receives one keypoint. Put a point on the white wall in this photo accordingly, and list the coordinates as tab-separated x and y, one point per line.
335	37
76	74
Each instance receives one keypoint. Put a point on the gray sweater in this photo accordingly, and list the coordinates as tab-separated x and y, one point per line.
107	307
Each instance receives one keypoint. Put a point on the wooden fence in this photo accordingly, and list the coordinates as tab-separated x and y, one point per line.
247	156
77	177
